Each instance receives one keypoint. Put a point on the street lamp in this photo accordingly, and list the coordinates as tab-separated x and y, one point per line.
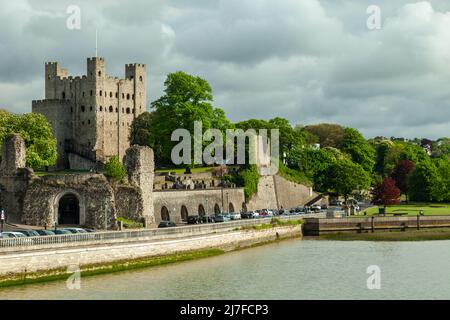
206	213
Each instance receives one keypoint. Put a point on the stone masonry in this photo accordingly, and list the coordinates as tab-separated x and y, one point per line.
91	115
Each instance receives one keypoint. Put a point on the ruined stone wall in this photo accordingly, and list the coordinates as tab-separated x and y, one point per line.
139	162
129	202
13	177
93	191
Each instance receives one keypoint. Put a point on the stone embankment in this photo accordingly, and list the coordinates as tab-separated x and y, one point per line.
41	262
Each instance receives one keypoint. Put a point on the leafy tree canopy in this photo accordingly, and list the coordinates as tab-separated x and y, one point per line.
37	134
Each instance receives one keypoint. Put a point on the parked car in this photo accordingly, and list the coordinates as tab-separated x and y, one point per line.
13	234
166	224
193	220
90	230
29	233
10	234
235	216
45	232
247	215
221	217
75	230
210	219
61	231
316	208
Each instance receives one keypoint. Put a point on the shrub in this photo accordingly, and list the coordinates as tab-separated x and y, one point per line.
115	169
130	224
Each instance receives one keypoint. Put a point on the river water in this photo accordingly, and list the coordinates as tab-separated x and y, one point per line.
292	269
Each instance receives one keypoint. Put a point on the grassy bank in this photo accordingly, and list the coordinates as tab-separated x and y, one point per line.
394	235
414	209
103	268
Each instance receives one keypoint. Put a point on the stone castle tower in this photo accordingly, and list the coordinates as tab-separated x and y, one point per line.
91	115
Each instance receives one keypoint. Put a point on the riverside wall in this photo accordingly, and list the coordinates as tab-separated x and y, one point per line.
12	264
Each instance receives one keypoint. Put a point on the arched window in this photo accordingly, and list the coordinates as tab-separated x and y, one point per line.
90	109
117	110
216	208
140	78
128	111
201	210
83	108
117	94
184	213
110	109
123	95
231	207
165	214
101	108
100	93
99	73
128	96
91	93
110	94
63	95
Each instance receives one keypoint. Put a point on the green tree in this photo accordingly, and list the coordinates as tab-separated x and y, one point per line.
342	177
115	169
186	99
358	148
37	134
425	183
328	134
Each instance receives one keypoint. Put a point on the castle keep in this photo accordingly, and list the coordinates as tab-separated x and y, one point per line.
91	115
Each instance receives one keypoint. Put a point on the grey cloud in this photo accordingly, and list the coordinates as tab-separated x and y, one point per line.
309	61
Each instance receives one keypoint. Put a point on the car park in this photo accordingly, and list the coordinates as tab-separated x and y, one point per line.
61	231
45	232
29	233
75	230
166	224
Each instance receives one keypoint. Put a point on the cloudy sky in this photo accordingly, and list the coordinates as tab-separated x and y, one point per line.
309	61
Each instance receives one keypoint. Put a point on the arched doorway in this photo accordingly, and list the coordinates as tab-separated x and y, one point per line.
69	209
184	213
201	210
165	214
231	207
216	208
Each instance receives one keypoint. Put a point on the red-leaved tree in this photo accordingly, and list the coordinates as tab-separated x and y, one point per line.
386	193
401	175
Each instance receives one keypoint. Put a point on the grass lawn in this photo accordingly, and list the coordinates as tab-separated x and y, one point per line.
57	173
413	209
181	170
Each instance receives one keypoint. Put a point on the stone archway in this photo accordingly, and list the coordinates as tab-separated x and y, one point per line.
69	208
216	208
201	210
231	207
165	214
184	213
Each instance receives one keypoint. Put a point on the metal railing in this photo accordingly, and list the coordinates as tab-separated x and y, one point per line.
134	235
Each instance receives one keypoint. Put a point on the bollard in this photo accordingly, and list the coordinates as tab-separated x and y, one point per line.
372	224
418	222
